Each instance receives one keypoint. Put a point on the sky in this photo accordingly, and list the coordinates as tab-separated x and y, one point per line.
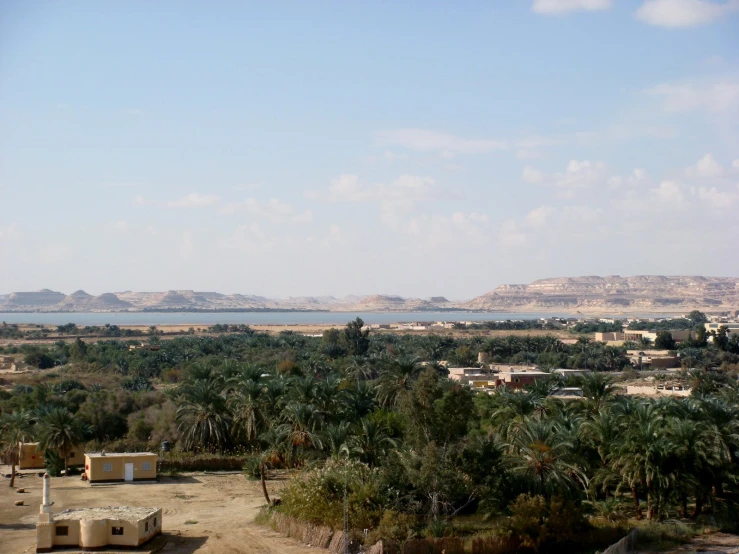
392	147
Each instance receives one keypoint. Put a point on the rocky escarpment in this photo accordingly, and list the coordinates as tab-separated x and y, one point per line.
564	294
614	293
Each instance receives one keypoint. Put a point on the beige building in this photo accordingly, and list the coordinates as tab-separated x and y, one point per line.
104	467
7	363
731	328
94	528
636	336
658	390
30	456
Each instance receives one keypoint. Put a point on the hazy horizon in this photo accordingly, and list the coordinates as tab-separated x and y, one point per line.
294	149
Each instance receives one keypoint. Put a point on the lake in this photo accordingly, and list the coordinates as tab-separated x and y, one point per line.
257	318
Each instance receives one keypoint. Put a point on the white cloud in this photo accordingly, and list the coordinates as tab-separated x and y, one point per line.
720	95
274	210
422	140
637	177
434	230
669	192
531	175
535	227
565	6
539	216
406	190
578	174
716	199
735	164
706	168
193	200
684	13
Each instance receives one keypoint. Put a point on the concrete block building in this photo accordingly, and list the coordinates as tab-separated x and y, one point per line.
31	456
102	467
94	528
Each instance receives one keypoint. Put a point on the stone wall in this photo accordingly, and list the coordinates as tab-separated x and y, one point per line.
624	546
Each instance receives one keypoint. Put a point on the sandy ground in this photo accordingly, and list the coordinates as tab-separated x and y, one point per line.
715	543
211	513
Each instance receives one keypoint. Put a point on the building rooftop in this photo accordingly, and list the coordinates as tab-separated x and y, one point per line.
108	512
114	454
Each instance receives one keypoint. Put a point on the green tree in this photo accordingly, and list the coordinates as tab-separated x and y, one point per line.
664	341
15	428
357	339
697	317
59	431
202	417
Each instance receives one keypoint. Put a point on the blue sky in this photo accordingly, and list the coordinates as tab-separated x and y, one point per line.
415	148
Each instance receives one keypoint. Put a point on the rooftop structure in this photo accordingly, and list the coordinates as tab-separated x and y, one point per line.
94	528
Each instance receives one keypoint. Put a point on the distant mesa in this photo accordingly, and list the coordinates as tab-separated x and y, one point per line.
44	297
108	300
610	294
613	292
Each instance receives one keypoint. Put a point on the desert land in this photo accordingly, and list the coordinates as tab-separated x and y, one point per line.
204	513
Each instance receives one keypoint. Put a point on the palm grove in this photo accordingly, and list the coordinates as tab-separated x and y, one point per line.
416	451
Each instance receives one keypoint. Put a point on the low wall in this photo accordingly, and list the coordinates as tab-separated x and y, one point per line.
624	546
322	536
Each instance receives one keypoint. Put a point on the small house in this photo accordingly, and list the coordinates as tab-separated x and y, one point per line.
31	456
121	527
102	467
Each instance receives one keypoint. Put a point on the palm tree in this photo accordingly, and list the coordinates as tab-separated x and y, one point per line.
397	377
515	409
357	401
246	403
597	389
639	458
59	431
300	428
373	441
202	417
697	456
335	439
15	428
273	453
540	455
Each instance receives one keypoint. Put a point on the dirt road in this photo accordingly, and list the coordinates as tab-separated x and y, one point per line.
211	513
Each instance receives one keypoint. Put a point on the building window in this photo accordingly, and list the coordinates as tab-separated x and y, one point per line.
146	526
71	455
117	530
107	467
155	522
146	466
62	531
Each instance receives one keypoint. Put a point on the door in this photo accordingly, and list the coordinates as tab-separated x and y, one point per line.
129	472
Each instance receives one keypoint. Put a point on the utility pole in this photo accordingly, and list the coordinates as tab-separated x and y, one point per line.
346	513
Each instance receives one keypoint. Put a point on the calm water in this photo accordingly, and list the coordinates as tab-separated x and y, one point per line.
255	318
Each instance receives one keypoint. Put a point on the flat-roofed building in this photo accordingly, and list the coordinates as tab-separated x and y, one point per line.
94	528
31	456
519	379
731	328
102	467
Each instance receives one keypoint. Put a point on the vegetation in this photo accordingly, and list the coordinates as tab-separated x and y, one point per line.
417	454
